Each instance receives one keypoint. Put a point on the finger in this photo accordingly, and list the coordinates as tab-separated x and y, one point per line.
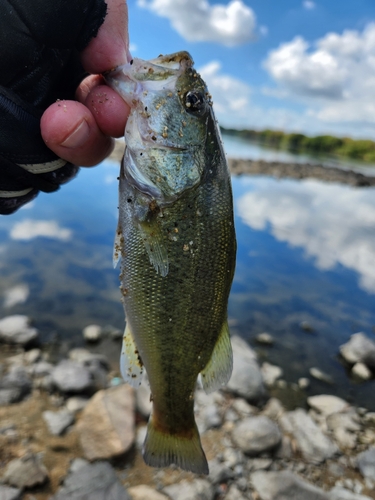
111	45
71	131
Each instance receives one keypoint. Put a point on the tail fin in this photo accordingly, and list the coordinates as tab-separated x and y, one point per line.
161	449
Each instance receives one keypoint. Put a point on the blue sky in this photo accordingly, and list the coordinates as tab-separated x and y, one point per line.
296	65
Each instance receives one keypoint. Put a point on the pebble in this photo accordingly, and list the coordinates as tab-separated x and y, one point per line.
70	376
8	493
106	427
320	375
338	493
285	485
255	435
344	427
270	373
246	380
76	404
92	333
188	490
96	481
14	386
315	447
143	492
264	338
361	371
25	472
16	329
58	421
359	349
366	463
327	404
235	494
303	383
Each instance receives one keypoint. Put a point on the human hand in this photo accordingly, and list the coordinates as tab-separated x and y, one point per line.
82	131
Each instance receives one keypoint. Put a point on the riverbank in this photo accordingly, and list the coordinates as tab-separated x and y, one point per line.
70	429
288	170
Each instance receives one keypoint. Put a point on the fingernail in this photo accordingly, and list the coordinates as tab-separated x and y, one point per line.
78	136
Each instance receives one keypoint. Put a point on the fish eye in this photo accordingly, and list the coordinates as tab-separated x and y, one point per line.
195	102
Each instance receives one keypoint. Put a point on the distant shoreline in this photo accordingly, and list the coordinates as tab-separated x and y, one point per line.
281	170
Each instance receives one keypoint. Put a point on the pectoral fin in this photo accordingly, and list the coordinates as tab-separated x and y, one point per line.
218	370
131	366
155	245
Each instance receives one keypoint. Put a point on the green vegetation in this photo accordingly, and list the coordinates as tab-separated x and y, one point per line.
358	149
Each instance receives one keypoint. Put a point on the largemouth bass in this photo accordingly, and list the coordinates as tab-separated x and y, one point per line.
177	246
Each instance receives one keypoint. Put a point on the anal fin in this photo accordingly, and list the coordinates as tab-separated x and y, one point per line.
131	366
218	370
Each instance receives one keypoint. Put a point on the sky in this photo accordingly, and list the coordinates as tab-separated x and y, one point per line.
294	65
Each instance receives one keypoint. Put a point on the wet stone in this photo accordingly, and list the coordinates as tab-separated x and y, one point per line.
9	493
25	472
361	371
366	463
16	329
70	376
59	421
14	386
255	435
359	349
270	373
327	404
264	338
92	333
96	481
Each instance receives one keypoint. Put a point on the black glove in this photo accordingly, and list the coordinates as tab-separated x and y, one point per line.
40	42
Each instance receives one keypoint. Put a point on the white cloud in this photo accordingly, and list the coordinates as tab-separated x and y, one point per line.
16	295
309	4
28	229
198	21
334	224
336	74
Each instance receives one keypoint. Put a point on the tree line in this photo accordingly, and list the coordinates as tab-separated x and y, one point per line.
358	149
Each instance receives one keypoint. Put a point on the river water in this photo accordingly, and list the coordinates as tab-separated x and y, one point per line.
306	253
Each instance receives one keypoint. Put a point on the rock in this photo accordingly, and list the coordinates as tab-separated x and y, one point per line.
189	490
92	333
25	472
343	427
32	356
359	349
254	435
305	325
96	481
219	472
361	371
41	369
285	485
270	373
242	408
70	376
264	338
14	386
106	427
58	421
112	332
87	358
313	444
366	463
207	411
8	493
75	404
303	383
320	375
16	329
327	404
235	494
338	493
273	409
246	380
143	492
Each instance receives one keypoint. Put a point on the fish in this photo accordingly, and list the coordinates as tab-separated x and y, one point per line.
176	242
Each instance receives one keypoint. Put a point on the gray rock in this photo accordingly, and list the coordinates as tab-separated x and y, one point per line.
361	371
76	403
264	338
285	486
14	386
320	375
270	373
254	435
338	493
92	333
58	421
199	489
144	492
303	383
344	427
8	493
41	369
235	494
16	329
25	472
327	404
70	376
219	472
96	481
106	427
366	463
32	356
246	380
359	349
313	444
273	409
